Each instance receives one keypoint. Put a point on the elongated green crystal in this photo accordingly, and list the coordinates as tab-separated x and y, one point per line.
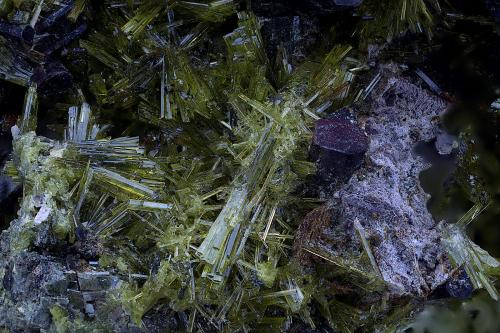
478	263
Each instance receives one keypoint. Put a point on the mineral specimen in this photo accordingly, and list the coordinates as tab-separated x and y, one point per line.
167	152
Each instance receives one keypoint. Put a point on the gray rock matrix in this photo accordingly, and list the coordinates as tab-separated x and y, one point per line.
384	197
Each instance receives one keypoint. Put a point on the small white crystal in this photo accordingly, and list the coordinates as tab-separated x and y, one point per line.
42	214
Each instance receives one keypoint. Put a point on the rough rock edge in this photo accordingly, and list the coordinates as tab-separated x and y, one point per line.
385	195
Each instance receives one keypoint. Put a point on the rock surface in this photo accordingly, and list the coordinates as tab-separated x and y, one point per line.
313	7
494	7
31	283
52	77
297	35
295	25
384	197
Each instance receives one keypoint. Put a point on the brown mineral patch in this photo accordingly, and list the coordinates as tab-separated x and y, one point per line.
310	232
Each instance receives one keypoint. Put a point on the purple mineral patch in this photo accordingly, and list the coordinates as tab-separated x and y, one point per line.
340	135
52	77
338	148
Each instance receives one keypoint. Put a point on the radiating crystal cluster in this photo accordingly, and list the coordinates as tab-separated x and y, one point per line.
177	184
